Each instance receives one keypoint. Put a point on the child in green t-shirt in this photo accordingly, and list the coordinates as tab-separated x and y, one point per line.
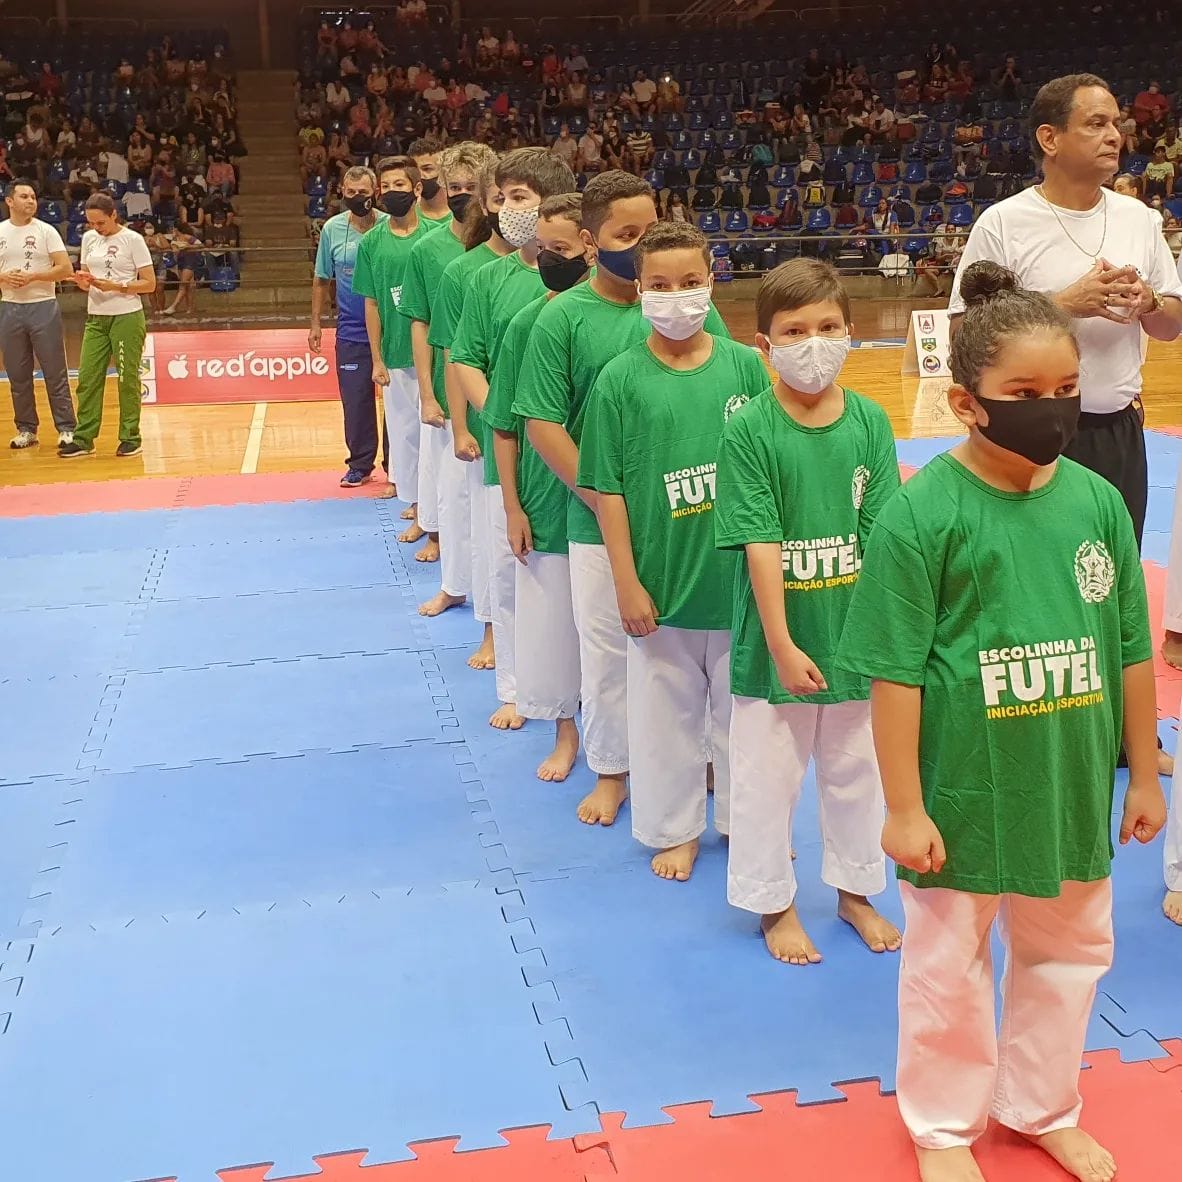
1001	615
648	450
802	475
546	642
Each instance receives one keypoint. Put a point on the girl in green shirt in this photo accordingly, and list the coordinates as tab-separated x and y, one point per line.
1001	615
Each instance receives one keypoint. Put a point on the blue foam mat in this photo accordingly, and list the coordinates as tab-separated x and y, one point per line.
236	628
275	708
218	836
199	1044
28	829
252	568
66	533
51	724
216	524
45	641
63	580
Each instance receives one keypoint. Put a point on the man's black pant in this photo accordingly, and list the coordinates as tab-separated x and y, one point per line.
1113	446
355	381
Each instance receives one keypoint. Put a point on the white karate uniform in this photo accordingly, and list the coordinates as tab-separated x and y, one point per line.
955	1068
770	751
463	534
502	582
1172	608
400	402
603	658
546	640
434	446
679	707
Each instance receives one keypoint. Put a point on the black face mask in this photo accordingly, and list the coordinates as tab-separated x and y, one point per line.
360	205
1038	429
458	204
430	189
559	273
494	220
398	204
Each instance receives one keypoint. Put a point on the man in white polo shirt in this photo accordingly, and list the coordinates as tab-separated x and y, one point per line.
32	259
1102	258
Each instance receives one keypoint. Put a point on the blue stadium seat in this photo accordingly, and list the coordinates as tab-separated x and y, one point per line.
709	222
316	187
737	222
784	176
871	196
915	172
656	178
317	207
819	221
863	173
692	160
961	214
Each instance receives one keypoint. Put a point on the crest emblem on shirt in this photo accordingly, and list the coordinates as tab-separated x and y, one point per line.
733	403
1095	571
858	486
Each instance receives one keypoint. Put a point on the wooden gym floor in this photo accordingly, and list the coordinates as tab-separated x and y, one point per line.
307	436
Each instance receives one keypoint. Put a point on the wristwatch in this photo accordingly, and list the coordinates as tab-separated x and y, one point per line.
1159	301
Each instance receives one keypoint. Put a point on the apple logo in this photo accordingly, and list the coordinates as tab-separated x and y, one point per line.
178	367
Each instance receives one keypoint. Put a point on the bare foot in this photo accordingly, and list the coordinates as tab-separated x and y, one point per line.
429	551
1165	763
387	492
878	933
602	803
786	938
557	765
439	603
948	1165
407	514
485	656
1172	906
412	533
1078	1153
506	718
676	863
1171	649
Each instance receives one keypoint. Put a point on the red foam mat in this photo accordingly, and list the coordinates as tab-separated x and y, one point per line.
1135	1109
273	486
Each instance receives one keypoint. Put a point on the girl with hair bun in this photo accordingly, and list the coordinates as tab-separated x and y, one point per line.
1008	581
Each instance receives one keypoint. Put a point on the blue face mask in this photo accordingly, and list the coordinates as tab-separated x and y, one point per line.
620	263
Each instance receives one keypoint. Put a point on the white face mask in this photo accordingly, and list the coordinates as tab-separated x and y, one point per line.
812	365
676	314
519	226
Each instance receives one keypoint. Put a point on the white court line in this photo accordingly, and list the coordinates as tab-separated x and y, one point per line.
254	440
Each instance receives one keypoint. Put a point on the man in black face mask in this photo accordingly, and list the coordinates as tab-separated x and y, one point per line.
433	207
382	261
336	256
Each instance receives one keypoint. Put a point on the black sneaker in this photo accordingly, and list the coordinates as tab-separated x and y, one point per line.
73	450
126	449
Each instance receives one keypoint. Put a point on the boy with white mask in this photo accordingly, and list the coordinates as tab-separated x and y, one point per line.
648	451
802	474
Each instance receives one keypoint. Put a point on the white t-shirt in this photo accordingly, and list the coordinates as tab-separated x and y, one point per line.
118	258
1022	233
895	266
644	90
28	248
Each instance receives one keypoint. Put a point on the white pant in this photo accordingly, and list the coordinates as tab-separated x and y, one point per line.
547	642
770	751
400	401
502	584
603	657
463	533
955	1068
679	708
434	446
1172	611
1173	853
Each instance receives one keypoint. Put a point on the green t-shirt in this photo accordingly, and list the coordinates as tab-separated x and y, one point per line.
420	289
651	435
543	496
497	293
432	222
449	303
576	335
816	491
1016	614
382	259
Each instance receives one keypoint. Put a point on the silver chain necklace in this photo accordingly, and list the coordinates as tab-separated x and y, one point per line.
1070	236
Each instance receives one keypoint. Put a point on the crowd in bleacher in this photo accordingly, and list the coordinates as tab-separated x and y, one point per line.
879	162
151	122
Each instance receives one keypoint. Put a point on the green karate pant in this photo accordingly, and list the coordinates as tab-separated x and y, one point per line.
121	337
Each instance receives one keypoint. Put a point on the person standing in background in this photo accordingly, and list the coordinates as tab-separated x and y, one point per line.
116	270
32	259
